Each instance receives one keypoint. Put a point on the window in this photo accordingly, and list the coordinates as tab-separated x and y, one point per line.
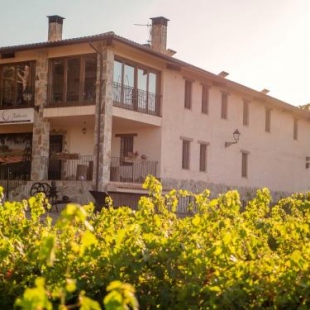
245	112
17	84
73	79
188	94
295	130
267	119
205	99
126	146
224	106
185	154
135	87
244	164
203	157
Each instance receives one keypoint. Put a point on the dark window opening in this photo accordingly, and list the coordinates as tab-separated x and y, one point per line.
185	154
205	99
203	158
188	95
244	164
224	106
73	80
17	85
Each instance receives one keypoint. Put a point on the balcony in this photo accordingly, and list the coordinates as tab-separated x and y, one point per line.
131	170
136	99
16	97
81	167
70	95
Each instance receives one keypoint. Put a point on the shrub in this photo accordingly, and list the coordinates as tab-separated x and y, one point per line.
218	258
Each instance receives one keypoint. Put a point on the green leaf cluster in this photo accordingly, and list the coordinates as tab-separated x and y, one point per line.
223	256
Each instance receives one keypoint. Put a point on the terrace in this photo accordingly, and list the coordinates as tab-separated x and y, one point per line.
72	167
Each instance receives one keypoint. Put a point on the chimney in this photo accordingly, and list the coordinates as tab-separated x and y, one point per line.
55	28
223	74
159	34
265	91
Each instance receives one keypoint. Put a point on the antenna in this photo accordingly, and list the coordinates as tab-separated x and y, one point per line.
149	29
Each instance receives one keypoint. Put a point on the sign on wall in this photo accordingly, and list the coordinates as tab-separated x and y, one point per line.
16	116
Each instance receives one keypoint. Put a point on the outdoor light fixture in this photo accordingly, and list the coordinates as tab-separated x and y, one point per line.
236	135
84	129
307	162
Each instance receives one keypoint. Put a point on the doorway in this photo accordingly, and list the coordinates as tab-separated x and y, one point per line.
55	166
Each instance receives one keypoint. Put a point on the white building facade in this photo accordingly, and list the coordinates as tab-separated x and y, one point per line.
102	112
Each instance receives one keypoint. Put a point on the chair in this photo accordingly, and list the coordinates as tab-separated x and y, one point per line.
100	200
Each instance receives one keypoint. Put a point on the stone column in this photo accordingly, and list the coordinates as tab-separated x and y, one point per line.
41	127
103	117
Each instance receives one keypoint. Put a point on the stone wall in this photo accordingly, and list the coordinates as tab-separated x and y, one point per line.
246	193
77	191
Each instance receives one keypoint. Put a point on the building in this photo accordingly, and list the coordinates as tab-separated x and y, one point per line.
101	112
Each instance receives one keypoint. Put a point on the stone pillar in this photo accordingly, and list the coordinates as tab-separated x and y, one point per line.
41	127
103	121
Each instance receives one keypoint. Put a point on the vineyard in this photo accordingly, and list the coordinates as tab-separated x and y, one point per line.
221	257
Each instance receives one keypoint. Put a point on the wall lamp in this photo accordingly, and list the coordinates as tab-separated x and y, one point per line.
307	162
236	135
84	129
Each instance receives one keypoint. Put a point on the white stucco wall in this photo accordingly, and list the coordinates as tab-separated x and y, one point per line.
146	142
275	159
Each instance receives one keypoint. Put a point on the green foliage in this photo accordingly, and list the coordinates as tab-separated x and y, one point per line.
221	257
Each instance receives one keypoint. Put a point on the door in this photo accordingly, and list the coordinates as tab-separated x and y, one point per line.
54	168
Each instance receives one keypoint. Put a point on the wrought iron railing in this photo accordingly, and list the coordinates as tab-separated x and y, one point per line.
81	167
136	99
131	170
70	95
15	171
17	97
68	166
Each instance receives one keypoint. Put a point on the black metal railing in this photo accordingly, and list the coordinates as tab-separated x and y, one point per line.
15	171
64	166
70	94
17	97
136	99
131	171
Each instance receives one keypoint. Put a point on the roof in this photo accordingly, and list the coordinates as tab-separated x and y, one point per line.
256	95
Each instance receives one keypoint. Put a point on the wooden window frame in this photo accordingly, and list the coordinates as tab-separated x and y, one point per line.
123	150
205	99
186	149
244	164
188	89
246	112
15	89
224	105
82	78
295	129
203	153
268	120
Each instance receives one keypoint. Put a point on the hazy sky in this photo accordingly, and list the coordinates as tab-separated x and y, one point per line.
260	43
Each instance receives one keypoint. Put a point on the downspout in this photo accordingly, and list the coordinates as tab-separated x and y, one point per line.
99	114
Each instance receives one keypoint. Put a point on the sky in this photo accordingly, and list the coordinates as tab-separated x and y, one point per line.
262	44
